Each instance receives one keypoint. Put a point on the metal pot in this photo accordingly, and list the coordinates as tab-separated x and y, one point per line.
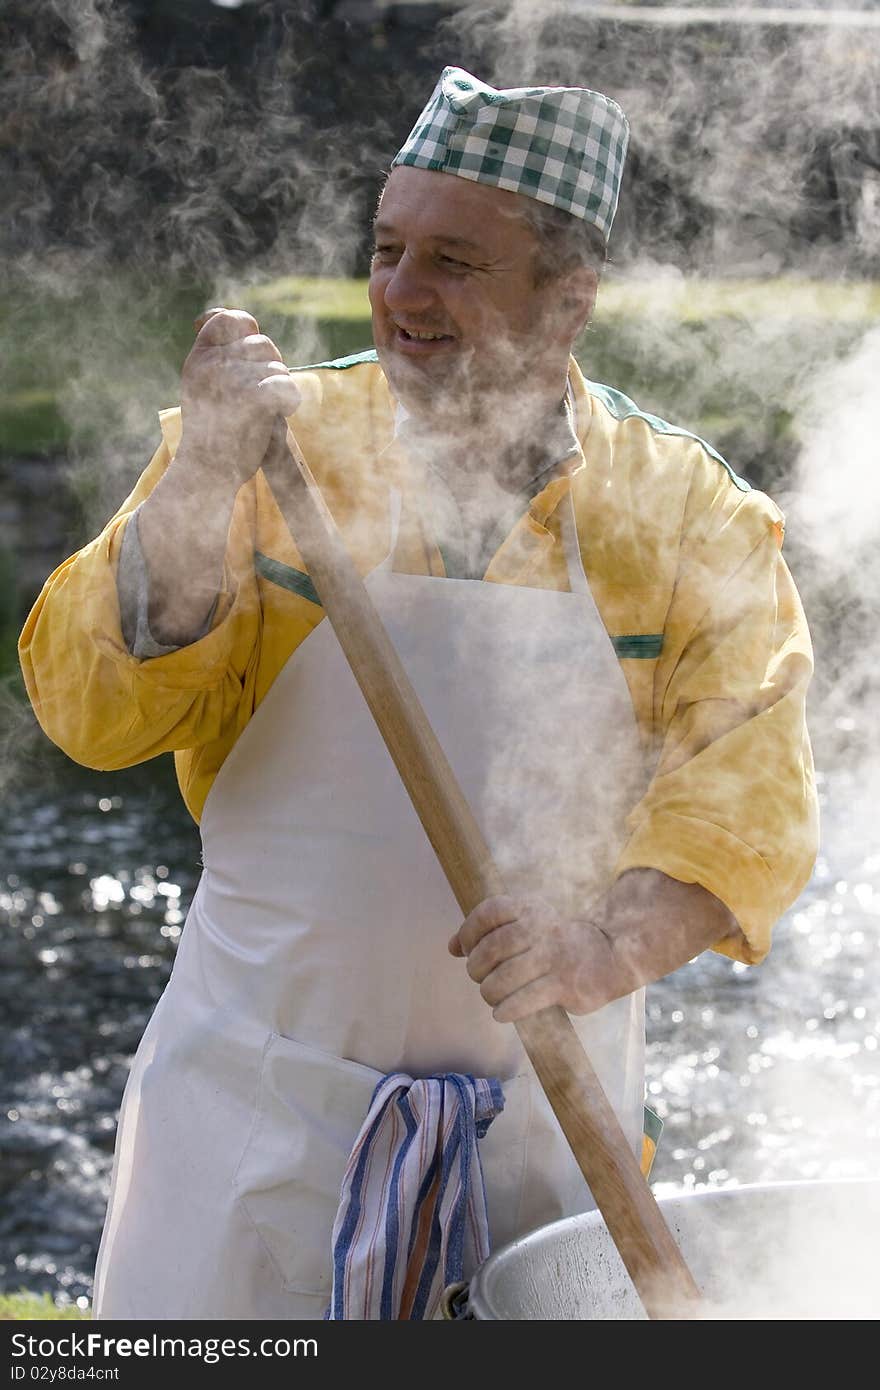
805	1250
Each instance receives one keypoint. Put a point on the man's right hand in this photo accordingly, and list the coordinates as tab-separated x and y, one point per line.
234	387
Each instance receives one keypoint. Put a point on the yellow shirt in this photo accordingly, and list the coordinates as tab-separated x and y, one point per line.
683	560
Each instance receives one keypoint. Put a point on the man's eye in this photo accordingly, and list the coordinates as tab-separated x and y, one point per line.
454	264
384	253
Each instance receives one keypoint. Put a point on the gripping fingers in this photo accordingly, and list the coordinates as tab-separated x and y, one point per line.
230	346
233	377
216	327
255	347
508	977
536	995
502	944
280	393
486	916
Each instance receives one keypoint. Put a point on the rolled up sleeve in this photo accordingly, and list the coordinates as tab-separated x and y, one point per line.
732	803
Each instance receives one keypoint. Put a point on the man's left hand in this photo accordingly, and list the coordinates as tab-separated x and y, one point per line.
524	957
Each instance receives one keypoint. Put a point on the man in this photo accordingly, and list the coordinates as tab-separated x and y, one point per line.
615	662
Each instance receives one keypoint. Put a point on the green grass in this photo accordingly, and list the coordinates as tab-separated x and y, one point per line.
77	353
25	1307
89	363
301	296
785	298
673	296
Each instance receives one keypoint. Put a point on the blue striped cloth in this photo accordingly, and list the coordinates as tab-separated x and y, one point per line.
412	1208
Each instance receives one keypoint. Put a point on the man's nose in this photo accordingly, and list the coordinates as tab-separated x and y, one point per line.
409	289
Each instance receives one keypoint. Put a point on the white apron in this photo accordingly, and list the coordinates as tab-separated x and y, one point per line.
314	956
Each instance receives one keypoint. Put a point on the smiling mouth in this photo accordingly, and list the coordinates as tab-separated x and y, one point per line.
421	336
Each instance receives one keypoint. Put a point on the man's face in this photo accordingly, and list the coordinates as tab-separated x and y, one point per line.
458	322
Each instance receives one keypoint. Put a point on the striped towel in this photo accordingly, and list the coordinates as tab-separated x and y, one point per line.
413	1203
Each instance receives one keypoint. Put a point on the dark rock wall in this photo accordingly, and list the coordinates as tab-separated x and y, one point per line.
177	131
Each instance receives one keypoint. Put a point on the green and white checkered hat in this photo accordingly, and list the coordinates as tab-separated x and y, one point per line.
562	145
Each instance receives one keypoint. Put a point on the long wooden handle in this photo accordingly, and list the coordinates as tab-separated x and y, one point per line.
653	1260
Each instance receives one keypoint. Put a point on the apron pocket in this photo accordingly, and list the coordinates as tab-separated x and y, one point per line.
310	1107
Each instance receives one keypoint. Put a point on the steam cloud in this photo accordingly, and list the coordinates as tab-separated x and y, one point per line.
269	174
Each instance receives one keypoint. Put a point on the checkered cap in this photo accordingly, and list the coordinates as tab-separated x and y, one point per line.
561	145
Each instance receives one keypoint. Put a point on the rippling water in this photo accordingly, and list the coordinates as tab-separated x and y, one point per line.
759	1075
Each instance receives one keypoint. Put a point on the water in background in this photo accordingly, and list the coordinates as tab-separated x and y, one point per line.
760	1074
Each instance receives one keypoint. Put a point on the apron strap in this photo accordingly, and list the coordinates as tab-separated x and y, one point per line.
395	502
577	576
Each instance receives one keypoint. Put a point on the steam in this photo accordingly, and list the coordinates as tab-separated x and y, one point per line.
739	132
218	161
836	506
843	500
777	133
132	187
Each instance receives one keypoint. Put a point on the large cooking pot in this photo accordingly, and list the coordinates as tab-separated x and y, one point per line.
805	1250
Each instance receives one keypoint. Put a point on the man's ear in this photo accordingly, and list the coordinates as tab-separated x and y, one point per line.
578	291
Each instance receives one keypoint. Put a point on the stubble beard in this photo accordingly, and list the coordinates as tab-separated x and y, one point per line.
473	400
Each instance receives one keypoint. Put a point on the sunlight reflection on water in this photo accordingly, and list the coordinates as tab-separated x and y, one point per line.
759	1075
